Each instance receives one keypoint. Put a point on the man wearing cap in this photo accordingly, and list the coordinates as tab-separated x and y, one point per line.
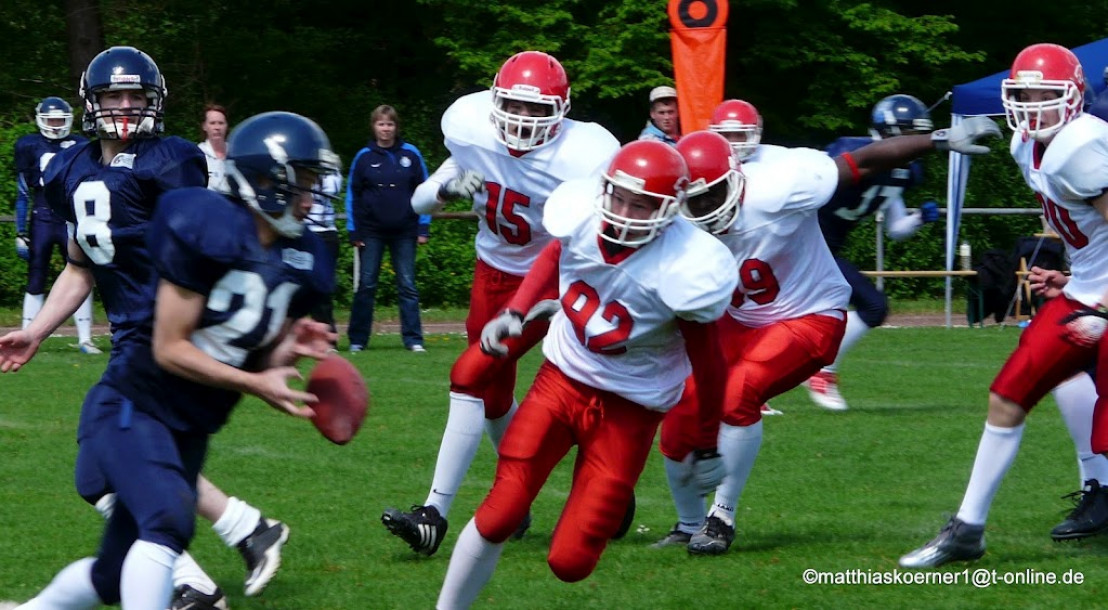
663	122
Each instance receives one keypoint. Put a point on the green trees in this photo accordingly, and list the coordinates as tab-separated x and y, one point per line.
813	67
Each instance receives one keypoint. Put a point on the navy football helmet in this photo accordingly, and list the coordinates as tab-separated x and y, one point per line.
120	69
900	114
265	154
52	109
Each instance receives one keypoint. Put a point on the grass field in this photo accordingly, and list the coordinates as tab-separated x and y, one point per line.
833	492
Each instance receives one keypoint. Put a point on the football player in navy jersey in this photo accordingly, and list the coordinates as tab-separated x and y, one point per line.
106	191
54	118
227	295
892	116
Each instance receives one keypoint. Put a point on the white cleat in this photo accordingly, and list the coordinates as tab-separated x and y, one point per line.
823	389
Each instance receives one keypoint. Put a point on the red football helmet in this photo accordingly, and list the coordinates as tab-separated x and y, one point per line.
1043	67
644	167
716	184
740	118
531	77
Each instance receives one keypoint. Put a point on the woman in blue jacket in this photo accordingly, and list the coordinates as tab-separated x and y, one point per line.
383	177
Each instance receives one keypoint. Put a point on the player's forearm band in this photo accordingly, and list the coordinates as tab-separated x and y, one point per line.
855	175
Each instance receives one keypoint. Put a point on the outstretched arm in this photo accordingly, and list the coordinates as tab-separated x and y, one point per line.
72	287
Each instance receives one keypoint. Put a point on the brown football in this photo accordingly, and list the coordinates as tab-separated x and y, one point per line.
343	399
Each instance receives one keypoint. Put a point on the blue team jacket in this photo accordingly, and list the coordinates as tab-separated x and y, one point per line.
379	192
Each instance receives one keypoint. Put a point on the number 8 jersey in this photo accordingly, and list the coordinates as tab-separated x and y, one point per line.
1065	176
108	208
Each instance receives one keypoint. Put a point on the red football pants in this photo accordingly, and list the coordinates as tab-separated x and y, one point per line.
614	436
762	363
477	374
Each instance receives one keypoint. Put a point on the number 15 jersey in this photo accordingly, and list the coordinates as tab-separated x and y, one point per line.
510	210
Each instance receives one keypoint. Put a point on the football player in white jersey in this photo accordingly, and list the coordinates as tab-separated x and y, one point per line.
509	169
1063	155
639	291
788	315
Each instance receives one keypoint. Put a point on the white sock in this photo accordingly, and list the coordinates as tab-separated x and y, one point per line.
237	522
495	427
83	320
106	506
855	330
187	572
471	566
691	508
460	441
147	579
1076	398
71	589
32	304
995	454
739	447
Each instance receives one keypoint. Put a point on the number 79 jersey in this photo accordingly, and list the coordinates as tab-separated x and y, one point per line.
108	209
617	328
1066	176
510	210
785	268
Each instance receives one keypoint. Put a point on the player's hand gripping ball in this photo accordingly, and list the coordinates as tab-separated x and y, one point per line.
343	399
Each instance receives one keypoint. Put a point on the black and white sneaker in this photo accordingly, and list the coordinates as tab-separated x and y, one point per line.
187	598
957	541
1089	516
675	537
262	552
714	537
423	528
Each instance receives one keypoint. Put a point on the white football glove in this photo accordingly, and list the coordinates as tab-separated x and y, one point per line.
462	187
963	137
507	324
704	470
1086	326
22	247
542	311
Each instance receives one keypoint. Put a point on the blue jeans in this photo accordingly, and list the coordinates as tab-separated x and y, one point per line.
402	250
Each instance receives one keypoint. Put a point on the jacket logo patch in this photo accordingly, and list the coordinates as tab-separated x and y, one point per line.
405	162
124	160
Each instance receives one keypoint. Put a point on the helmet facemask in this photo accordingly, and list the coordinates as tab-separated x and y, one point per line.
524	133
714	206
743	149
1027	117
634	232
43	117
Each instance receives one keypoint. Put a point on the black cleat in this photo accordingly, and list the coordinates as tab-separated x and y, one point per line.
423	528
714	537
957	541
523	527
187	598
1089	516
261	551
628	519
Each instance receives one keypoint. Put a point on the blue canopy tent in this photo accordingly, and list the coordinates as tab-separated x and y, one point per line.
982	98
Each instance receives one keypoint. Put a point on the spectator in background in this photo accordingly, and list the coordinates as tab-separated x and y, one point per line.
383	177
321	221
215	146
664	121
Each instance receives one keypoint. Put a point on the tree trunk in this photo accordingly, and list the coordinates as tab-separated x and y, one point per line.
84	34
